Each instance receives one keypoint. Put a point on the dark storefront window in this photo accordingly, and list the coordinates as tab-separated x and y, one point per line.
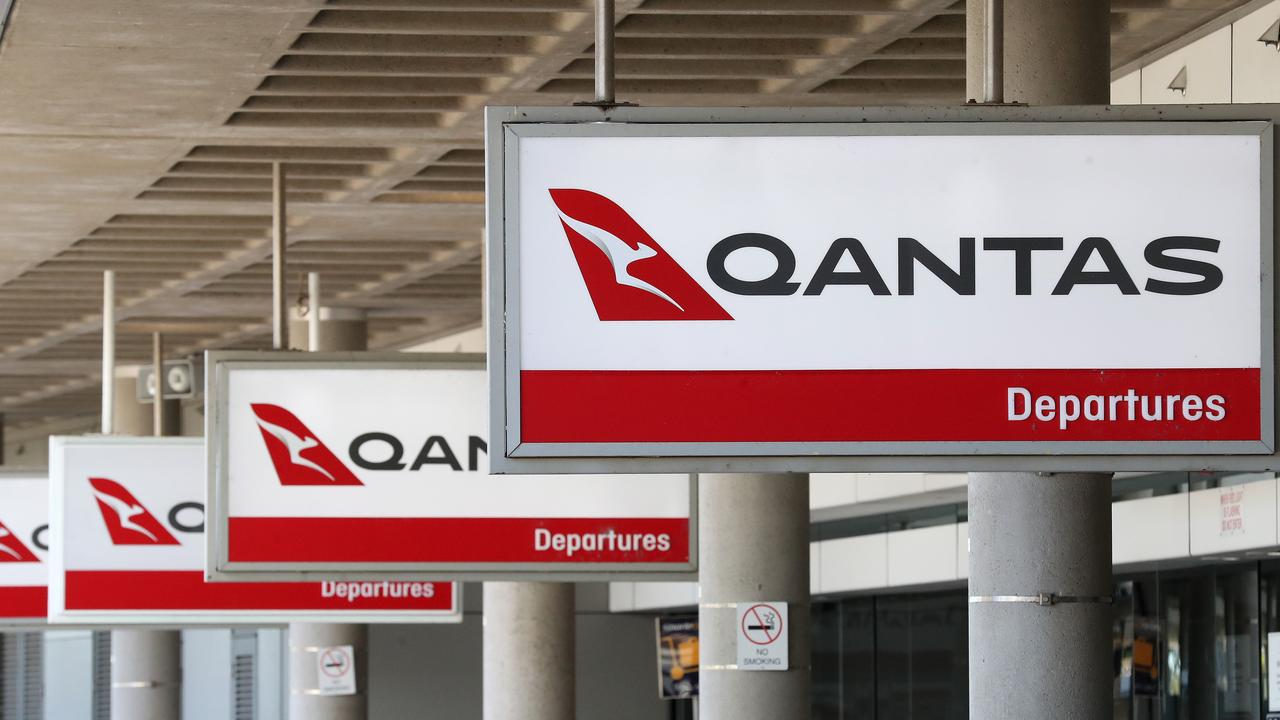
901	656
858	673
1188	645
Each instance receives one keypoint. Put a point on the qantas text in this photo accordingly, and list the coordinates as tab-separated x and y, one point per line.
384	451
1183	255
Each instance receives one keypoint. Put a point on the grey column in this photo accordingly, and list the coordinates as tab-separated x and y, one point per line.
305	641
1030	534
340	329
753	544
146	674
1056	52
134	418
529	651
1036	533
146	665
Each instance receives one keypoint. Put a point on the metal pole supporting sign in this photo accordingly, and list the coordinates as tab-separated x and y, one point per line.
279	319
993	42
604	52
157	377
313	311
108	351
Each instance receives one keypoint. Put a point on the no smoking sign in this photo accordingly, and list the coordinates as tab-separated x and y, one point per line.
762	636
336	670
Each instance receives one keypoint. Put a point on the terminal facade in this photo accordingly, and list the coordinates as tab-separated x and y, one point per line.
1196	556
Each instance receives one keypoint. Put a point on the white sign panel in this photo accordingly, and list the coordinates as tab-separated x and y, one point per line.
1237	517
379	463
762	636
24	548
336	670
128	547
1231	507
721	290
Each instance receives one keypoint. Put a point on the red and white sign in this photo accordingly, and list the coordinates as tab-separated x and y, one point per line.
128	538
703	290
381	465
24	538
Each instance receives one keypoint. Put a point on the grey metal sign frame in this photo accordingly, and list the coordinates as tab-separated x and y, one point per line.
23	623
218	567
505	126
164	618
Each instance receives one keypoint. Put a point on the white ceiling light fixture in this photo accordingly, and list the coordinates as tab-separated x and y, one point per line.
1179	82
6	7
1271	37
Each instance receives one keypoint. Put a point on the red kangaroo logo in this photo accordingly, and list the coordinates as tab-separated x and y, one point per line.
12	549
628	275
298	455
127	521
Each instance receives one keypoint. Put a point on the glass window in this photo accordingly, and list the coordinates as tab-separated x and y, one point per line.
858	674
1188	634
1137	663
939	657
1237	646
824	628
1269	622
1187	645
922	656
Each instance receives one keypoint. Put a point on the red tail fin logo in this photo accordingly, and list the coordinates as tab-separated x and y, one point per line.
297	454
128	522
12	549
628	274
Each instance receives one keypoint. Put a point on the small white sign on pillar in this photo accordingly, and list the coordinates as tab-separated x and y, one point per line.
336	670
762	636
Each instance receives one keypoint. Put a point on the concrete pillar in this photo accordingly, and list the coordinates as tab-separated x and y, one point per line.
146	674
753	544
1041	533
305	642
134	418
340	329
1055	52
146	665
529	663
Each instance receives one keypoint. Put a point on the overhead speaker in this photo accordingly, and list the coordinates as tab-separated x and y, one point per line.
181	380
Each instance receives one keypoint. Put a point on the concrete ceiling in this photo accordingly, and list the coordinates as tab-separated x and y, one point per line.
139	135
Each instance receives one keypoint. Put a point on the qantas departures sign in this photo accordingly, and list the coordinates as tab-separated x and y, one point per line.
128	534
24	548
753	291
376	465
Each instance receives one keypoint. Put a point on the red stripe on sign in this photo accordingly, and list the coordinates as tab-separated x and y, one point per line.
28	601
186	590
565	406
474	540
